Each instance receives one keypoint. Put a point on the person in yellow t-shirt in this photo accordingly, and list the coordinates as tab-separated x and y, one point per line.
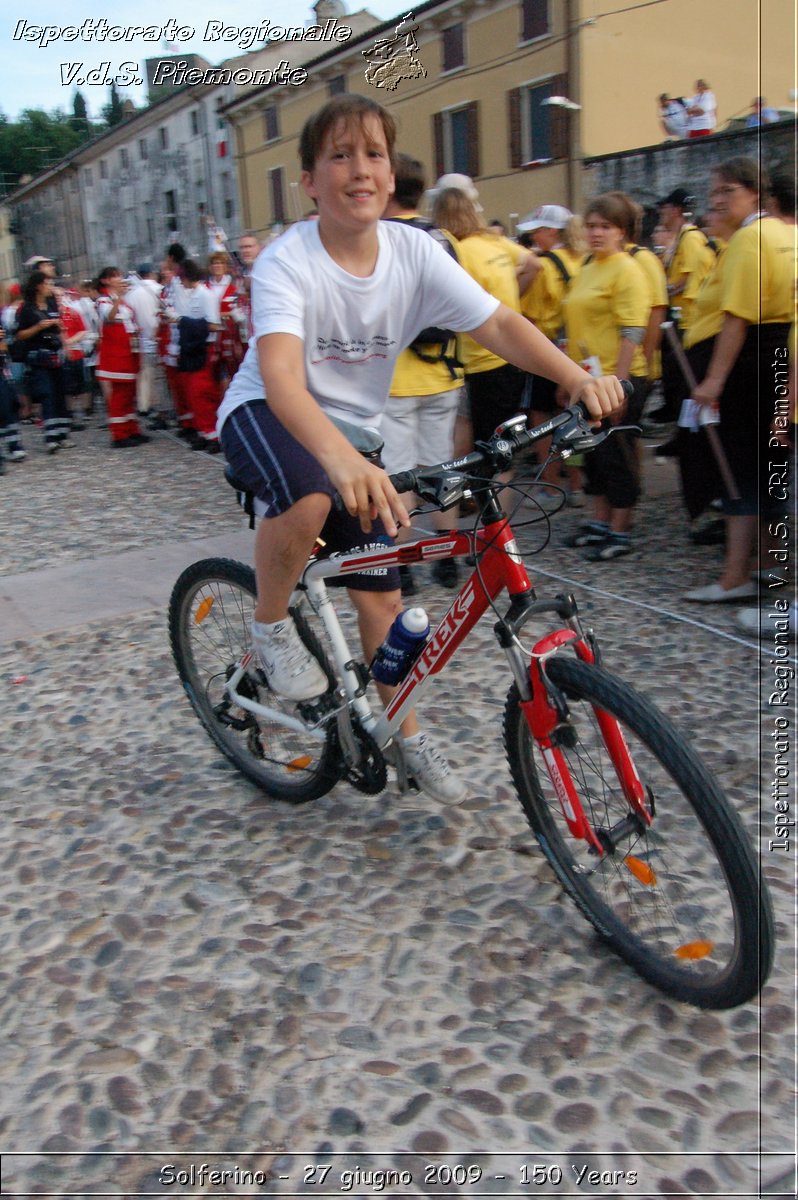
652	268
690	256
606	312
426	389
559	239
494	387
687	262
757	299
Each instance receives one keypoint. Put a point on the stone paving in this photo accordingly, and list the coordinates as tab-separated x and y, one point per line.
193	974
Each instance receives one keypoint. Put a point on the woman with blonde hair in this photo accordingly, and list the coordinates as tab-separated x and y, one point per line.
494	387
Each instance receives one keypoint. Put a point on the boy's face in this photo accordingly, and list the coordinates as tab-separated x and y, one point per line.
352	178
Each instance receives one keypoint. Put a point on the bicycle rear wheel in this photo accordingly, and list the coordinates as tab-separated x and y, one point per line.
681	900
210	615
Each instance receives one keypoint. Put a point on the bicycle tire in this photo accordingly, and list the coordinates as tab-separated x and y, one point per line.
706	897
210	614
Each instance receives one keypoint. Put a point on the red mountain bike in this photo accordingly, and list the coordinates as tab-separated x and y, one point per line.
635	827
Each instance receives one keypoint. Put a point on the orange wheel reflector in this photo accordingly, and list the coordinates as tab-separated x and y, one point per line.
299	764
641	871
203	610
695	950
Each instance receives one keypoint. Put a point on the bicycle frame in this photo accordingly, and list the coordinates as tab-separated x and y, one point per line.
500	568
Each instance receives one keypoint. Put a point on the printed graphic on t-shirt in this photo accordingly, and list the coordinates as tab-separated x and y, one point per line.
351	352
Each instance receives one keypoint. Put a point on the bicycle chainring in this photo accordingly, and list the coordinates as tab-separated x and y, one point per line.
370	775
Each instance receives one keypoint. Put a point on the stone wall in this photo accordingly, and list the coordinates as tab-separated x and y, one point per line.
652	172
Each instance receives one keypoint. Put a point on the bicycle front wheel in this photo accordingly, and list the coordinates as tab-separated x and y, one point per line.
681	900
210	617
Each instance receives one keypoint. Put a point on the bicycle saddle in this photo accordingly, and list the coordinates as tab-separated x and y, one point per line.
366	441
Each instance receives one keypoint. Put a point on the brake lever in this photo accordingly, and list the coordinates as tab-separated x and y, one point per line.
577	438
444	491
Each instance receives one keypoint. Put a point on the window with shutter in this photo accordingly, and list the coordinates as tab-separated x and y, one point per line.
534	19
456	136
560	119
453	40
277	194
437	135
472	168
514	127
271	124
538	132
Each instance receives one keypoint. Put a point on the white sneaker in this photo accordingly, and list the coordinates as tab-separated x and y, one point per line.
17	455
541	497
759	621
291	670
431	773
713	593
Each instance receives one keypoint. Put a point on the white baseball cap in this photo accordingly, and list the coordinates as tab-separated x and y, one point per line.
548	216
460	183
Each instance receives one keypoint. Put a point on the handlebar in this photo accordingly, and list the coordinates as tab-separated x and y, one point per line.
443	485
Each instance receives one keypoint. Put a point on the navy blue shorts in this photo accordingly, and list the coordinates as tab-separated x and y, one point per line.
279	471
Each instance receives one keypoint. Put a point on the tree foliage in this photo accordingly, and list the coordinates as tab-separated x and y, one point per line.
113	111
80	115
36	141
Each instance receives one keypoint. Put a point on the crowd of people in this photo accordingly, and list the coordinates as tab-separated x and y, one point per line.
696	311
136	346
697	115
689	116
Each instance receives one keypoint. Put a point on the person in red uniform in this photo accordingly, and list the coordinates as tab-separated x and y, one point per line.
195	332
119	359
230	346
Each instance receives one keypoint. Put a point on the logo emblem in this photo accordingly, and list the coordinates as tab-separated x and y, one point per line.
390	60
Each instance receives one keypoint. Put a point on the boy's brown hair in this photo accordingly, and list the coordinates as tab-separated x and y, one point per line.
353	111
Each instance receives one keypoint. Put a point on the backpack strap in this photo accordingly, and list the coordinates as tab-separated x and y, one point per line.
442	342
558	262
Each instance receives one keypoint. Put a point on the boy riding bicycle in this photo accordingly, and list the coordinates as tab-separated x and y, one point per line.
334	301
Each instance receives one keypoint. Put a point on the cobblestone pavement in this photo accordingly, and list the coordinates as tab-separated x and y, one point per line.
189	969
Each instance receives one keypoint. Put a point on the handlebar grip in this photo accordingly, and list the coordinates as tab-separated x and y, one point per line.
404	481
628	392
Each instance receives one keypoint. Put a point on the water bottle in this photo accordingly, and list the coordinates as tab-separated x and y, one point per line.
402	646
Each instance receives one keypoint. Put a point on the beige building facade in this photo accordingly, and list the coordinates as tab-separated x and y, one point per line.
476	99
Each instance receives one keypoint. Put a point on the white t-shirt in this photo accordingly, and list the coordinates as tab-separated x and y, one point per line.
145	300
353	329
676	119
199	303
706	102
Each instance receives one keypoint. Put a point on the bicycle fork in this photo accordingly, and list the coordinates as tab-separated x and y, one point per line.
547	714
